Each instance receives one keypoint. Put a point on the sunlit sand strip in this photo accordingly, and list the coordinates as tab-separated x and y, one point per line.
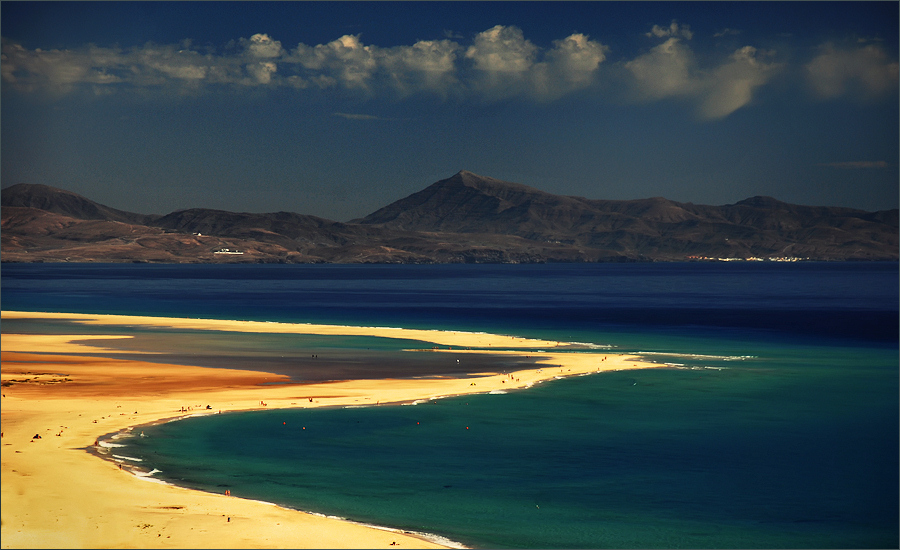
65	343
57	495
440	337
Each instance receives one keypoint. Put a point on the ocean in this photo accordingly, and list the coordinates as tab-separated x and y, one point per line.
773	425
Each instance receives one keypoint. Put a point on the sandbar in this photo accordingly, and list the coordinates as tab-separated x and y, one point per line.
56	492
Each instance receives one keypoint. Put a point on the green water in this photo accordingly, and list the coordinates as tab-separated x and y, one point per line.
796	447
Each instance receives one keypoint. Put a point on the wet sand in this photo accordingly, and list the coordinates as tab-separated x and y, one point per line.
56	493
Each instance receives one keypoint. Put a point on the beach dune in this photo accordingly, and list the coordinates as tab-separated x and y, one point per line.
59	408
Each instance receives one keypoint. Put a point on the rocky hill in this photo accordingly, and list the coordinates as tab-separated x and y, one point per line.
655	228
59	201
464	218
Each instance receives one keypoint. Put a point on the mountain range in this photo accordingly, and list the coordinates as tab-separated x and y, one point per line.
465	218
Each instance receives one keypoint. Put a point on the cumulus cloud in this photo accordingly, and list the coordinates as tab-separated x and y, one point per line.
59	69
502	50
666	70
151	65
502	59
571	64
345	60
731	85
499	62
671	70
505	64
864	72
427	65
261	46
673	30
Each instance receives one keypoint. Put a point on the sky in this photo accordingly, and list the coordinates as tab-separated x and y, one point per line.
336	109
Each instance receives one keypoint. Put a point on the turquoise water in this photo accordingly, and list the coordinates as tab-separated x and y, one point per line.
779	451
774	425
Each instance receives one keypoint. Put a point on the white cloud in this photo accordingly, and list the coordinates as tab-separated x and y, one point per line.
58	69
261	46
575	58
262	71
172	63
506	64
670	70
673	30
346	61
864	72
664	71
502	50
497	63
500	62
427	65
732	84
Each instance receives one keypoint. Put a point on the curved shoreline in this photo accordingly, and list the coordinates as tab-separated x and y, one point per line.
137	471
61	496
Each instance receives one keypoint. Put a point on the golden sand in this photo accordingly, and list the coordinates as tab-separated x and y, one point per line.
446	338
57	494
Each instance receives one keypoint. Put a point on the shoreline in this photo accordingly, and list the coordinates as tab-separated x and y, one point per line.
98	451
58	493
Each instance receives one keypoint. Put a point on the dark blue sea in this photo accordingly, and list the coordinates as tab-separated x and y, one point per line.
773	425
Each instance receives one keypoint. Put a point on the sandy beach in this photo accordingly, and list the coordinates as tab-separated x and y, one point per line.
57	493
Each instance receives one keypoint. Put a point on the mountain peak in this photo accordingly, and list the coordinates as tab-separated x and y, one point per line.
761	201
465	176
489	185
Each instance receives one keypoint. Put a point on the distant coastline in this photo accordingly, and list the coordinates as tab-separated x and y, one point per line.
466	218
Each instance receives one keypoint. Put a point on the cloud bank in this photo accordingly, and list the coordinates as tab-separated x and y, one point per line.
498	63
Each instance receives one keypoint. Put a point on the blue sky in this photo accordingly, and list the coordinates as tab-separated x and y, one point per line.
338	108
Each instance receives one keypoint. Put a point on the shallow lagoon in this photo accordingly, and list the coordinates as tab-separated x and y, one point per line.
775	425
